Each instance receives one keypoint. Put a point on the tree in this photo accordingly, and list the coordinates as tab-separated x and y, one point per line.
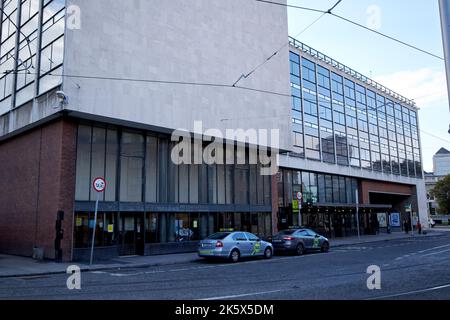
441	193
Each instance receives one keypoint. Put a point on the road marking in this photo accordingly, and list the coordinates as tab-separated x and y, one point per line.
430	254
229	265
125	274
156	271
411	292
176	270
431	249
242	295
423	251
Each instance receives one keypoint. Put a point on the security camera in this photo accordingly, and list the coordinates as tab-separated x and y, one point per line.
61	96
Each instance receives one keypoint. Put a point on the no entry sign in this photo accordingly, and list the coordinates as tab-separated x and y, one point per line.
99	184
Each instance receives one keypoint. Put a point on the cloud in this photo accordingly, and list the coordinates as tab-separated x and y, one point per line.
426	86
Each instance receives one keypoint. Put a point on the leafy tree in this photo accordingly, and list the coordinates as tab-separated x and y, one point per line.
441	193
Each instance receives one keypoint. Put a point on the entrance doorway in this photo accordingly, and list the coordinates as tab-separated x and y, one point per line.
131	234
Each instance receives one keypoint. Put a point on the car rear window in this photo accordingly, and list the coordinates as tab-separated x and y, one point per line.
218	236
286	232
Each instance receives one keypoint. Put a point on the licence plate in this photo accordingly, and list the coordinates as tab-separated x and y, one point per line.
205	252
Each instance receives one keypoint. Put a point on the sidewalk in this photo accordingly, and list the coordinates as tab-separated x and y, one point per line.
14	266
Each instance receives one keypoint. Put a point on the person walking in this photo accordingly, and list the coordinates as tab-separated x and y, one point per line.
406	226
419	226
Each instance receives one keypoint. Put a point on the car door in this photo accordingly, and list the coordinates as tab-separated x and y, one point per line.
313	240
255	245
242	243
303	237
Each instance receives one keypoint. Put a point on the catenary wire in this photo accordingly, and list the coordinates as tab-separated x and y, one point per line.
358	25
200	84
246	75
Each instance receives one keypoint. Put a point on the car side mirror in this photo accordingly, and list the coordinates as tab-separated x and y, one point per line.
258	240
317	236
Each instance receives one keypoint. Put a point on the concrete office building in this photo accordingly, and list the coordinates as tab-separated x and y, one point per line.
96	88
131	72
350	133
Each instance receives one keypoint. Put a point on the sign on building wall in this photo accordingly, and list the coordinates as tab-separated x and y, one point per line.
395	219
382	220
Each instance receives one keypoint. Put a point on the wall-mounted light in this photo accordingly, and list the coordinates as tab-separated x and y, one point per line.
62	98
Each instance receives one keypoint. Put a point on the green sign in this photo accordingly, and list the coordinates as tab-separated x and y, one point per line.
295	207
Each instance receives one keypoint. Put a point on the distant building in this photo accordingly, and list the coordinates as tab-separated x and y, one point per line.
441	163
441	168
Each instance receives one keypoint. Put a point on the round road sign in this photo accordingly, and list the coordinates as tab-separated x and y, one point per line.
299	196
99	184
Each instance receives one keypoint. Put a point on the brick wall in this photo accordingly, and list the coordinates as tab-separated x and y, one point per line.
37	178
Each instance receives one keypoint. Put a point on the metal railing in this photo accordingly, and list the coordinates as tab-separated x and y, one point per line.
330	61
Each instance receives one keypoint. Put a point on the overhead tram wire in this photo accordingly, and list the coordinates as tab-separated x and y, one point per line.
358	25
387	36
245	76
291	6
205	85
200	84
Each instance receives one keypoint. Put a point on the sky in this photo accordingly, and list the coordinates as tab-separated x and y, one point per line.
413	74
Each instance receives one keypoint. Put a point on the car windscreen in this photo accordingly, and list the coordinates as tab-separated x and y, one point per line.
218	236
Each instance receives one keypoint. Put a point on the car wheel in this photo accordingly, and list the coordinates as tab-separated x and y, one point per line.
268	253
325	247
300	250
235	256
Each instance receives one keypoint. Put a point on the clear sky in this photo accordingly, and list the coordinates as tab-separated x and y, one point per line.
410	73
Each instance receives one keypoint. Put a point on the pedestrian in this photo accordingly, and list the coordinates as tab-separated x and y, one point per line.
405	225
419	226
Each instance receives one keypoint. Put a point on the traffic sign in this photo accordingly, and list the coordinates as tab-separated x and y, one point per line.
99	184
299	196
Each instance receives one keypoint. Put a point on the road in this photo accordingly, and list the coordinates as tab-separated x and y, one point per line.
416	268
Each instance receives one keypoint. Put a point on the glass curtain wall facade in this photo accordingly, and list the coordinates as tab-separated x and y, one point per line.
31	53
162	201
328	205
339	120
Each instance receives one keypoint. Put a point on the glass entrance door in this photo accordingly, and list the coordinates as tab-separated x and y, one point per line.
131	234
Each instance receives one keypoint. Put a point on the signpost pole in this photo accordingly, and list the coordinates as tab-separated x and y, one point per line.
300	205
99	186
95	225
357	214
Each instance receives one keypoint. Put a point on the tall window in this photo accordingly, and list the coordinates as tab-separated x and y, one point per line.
7	53
131	165
297	116
52	44
31	60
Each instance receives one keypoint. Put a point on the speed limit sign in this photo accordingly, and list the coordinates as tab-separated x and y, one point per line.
99	184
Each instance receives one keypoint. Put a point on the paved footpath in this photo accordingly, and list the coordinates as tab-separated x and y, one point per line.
14	266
